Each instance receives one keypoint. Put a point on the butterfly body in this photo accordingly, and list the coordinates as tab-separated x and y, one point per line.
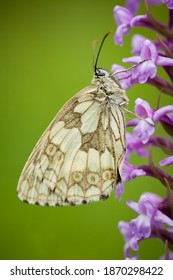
78	158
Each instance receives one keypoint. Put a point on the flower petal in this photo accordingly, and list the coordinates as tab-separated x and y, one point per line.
143	108
149	51
158	114
163	219
137	43
134	243
133	205
121	30
141	226
132	59
122	15
166	161
144	130
124	228
139	21
164	61
119	190
146	70
132	122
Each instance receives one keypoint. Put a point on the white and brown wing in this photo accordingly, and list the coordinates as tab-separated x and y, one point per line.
77	159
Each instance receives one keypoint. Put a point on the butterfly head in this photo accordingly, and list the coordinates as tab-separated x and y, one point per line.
103	78
100	73
110	86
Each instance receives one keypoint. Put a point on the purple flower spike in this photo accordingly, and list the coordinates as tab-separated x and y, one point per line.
166	161
150	57
149	215
154	217
123	18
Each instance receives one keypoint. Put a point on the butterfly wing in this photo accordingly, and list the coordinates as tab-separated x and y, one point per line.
78	158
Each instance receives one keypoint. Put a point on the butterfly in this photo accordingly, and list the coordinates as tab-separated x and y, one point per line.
79	157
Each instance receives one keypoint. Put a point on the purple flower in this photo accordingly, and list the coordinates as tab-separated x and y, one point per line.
149	215
148	224
145	126
123	18
130	172
129	237
166	161
151	59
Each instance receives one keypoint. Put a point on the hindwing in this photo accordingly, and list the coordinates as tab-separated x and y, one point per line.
78	158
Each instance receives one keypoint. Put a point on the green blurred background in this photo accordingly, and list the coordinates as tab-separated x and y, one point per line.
46	57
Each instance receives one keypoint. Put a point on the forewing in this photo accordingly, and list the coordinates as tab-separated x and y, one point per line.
76	159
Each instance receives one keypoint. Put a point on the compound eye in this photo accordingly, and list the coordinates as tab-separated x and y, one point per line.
100	74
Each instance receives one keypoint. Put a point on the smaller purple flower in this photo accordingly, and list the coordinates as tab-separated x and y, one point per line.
150	57
129	237
149	215
166	161
130	172
145	126
123	18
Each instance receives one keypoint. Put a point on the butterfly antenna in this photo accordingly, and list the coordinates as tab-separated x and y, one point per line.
96	61
93	53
